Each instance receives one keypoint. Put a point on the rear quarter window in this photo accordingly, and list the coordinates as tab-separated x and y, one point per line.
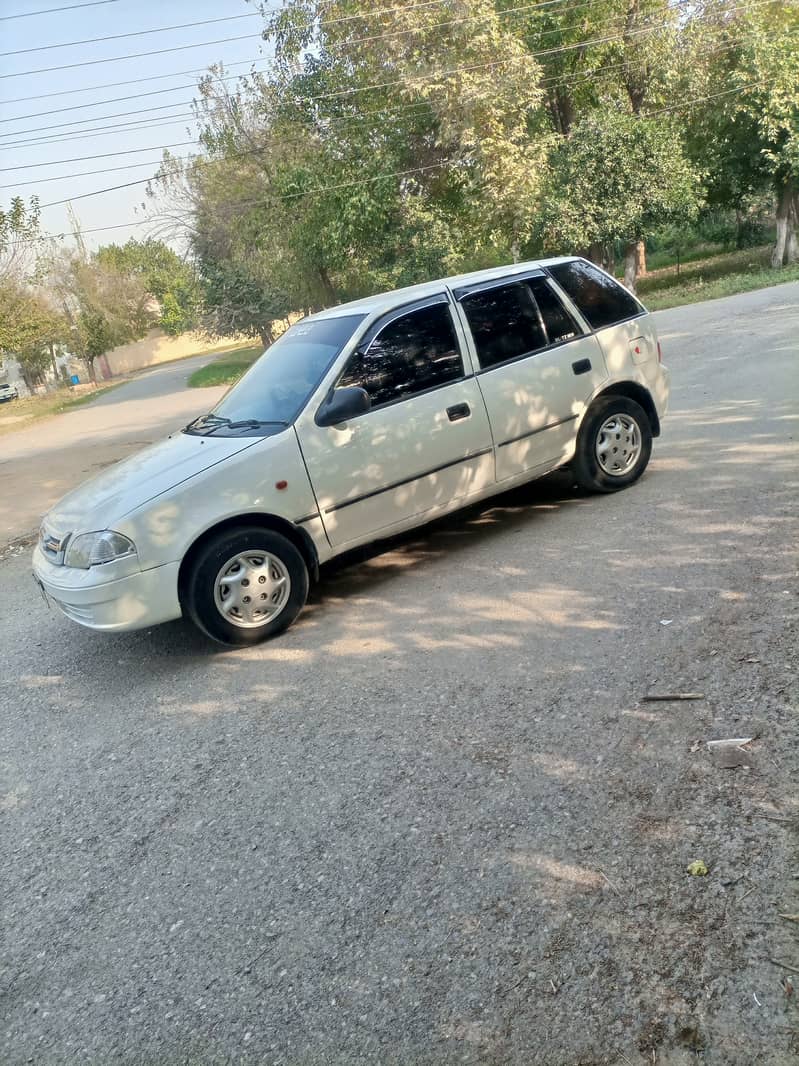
600	299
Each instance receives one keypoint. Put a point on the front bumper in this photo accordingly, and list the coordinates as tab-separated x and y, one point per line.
142	599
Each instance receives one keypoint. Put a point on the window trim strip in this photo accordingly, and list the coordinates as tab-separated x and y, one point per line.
462	291
529	355
541	429
407	480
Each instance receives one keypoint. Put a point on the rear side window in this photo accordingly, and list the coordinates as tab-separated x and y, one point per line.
504	323
559	324
413	353
599	298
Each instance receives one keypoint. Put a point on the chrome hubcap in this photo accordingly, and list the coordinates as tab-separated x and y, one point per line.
618	445
251	589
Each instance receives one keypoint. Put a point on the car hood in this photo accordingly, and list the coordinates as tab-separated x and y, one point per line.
106	498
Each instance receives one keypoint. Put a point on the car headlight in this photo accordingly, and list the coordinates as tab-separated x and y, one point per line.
94	549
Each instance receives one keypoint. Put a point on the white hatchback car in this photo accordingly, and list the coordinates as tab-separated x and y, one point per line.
359	422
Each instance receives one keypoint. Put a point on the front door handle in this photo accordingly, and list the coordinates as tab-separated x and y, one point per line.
582	366
459	411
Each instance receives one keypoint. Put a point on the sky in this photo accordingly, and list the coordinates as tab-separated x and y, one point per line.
46	162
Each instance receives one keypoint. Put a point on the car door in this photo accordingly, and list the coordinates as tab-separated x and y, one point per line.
537	369
424	443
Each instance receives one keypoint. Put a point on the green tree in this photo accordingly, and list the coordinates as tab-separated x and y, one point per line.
617	177
30	329
165	276
383	150
19	230
743	69
103	306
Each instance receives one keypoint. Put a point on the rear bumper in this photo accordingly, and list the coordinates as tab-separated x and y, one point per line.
661	388
139	600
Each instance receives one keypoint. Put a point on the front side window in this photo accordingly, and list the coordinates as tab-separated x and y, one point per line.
504	322
279	384
413	353
600	299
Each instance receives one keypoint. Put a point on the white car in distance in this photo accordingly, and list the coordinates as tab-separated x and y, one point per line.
360	422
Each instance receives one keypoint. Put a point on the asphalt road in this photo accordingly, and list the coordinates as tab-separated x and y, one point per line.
38	465
435	822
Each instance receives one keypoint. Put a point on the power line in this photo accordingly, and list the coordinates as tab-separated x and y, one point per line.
99	118
577	76
474	18
256	152
134	126
187	73
571	47
362	181
113	84
135	55
412	80
132	96
246	203
52	10
135	33
355	182
158	77
86	174
102	155
96	118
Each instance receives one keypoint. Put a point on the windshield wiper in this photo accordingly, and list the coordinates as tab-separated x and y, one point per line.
210	423
254	423
211	418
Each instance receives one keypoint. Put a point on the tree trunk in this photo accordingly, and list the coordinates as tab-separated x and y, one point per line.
630	265
785	245
267	335
792	247
327	286
640	259
739	228
561	108
596	253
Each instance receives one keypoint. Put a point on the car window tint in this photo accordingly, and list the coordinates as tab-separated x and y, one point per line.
601	299
504	323
559	324
415	352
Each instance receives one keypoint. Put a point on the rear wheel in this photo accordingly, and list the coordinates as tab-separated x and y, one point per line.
613	446
246	585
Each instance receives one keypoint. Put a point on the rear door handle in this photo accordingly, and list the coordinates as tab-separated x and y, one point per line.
459	411
582	366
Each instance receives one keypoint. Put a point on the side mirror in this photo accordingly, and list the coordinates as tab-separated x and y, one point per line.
342	405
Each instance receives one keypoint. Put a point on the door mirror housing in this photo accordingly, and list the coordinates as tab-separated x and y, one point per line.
342	405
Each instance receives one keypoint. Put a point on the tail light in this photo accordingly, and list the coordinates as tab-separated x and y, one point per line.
660	353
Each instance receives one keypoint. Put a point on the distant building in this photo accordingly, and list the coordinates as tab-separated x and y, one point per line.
65	365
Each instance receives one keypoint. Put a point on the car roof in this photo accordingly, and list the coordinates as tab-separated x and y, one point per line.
385	301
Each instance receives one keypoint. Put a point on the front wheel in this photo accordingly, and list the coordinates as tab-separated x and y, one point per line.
613	446
246	585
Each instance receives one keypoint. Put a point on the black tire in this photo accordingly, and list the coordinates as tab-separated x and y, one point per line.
200	588
586	466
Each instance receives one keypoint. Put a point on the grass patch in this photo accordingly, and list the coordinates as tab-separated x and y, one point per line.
725	274
225	370
18	414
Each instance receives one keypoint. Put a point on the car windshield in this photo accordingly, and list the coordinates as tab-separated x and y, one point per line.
277	386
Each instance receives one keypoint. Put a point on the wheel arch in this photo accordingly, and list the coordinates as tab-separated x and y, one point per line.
298	537
633	391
